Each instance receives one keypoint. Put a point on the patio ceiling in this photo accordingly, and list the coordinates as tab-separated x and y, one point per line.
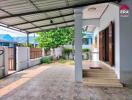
31	16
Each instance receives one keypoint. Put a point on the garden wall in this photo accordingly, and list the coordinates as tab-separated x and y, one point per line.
23	59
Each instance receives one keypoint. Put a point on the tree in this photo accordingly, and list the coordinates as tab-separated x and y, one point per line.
55	37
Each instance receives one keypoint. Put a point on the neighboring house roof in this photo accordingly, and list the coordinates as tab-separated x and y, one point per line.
6	38
24	39
87	35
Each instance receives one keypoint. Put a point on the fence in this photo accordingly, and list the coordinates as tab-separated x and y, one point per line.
11	58
35	53
27	57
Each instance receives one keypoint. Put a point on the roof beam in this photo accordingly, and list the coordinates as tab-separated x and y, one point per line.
8	26
43	19
67	3
52	28
61	8
19	17
50	24
33	4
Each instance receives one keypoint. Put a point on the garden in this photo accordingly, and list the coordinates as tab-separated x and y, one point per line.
58	45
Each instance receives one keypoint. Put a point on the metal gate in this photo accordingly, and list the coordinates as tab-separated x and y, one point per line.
11	58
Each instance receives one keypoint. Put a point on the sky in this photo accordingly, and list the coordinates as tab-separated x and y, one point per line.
13	33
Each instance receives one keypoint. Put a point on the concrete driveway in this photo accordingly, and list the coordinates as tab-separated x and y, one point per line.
55	82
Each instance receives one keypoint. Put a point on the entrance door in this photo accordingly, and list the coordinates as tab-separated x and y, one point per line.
101	46
111	43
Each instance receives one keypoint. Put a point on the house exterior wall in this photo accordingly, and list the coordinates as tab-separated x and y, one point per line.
123	39
126	45
91	22
112	14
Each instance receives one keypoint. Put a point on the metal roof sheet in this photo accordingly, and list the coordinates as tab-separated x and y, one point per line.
34	15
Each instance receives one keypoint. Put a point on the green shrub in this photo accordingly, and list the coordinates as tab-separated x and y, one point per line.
67	51
47	59
26	45
62	61
85	50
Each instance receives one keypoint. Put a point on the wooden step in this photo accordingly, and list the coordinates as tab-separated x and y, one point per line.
91	79
99	75
103	85
102	82
95	70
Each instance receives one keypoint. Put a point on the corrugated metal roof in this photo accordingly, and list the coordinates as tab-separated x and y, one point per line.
34	15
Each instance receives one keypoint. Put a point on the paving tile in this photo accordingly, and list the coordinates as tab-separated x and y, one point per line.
55	82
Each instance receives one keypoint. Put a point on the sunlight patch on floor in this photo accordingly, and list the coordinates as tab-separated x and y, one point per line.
26	77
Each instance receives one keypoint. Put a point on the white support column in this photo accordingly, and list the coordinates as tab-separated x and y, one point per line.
6	60
28	57
78	45
27	39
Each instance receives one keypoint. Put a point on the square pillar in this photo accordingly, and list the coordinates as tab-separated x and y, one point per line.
27	39
78	44
6	60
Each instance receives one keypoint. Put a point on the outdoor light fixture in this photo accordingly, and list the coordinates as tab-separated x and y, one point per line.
51	21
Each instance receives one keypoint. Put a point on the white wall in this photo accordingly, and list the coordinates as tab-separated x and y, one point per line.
95	54
1	64
23	60
83	46
126	45
33	62
112	14
58	52
4	62
94	22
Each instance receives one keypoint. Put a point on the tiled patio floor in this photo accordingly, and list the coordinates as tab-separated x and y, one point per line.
55	82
